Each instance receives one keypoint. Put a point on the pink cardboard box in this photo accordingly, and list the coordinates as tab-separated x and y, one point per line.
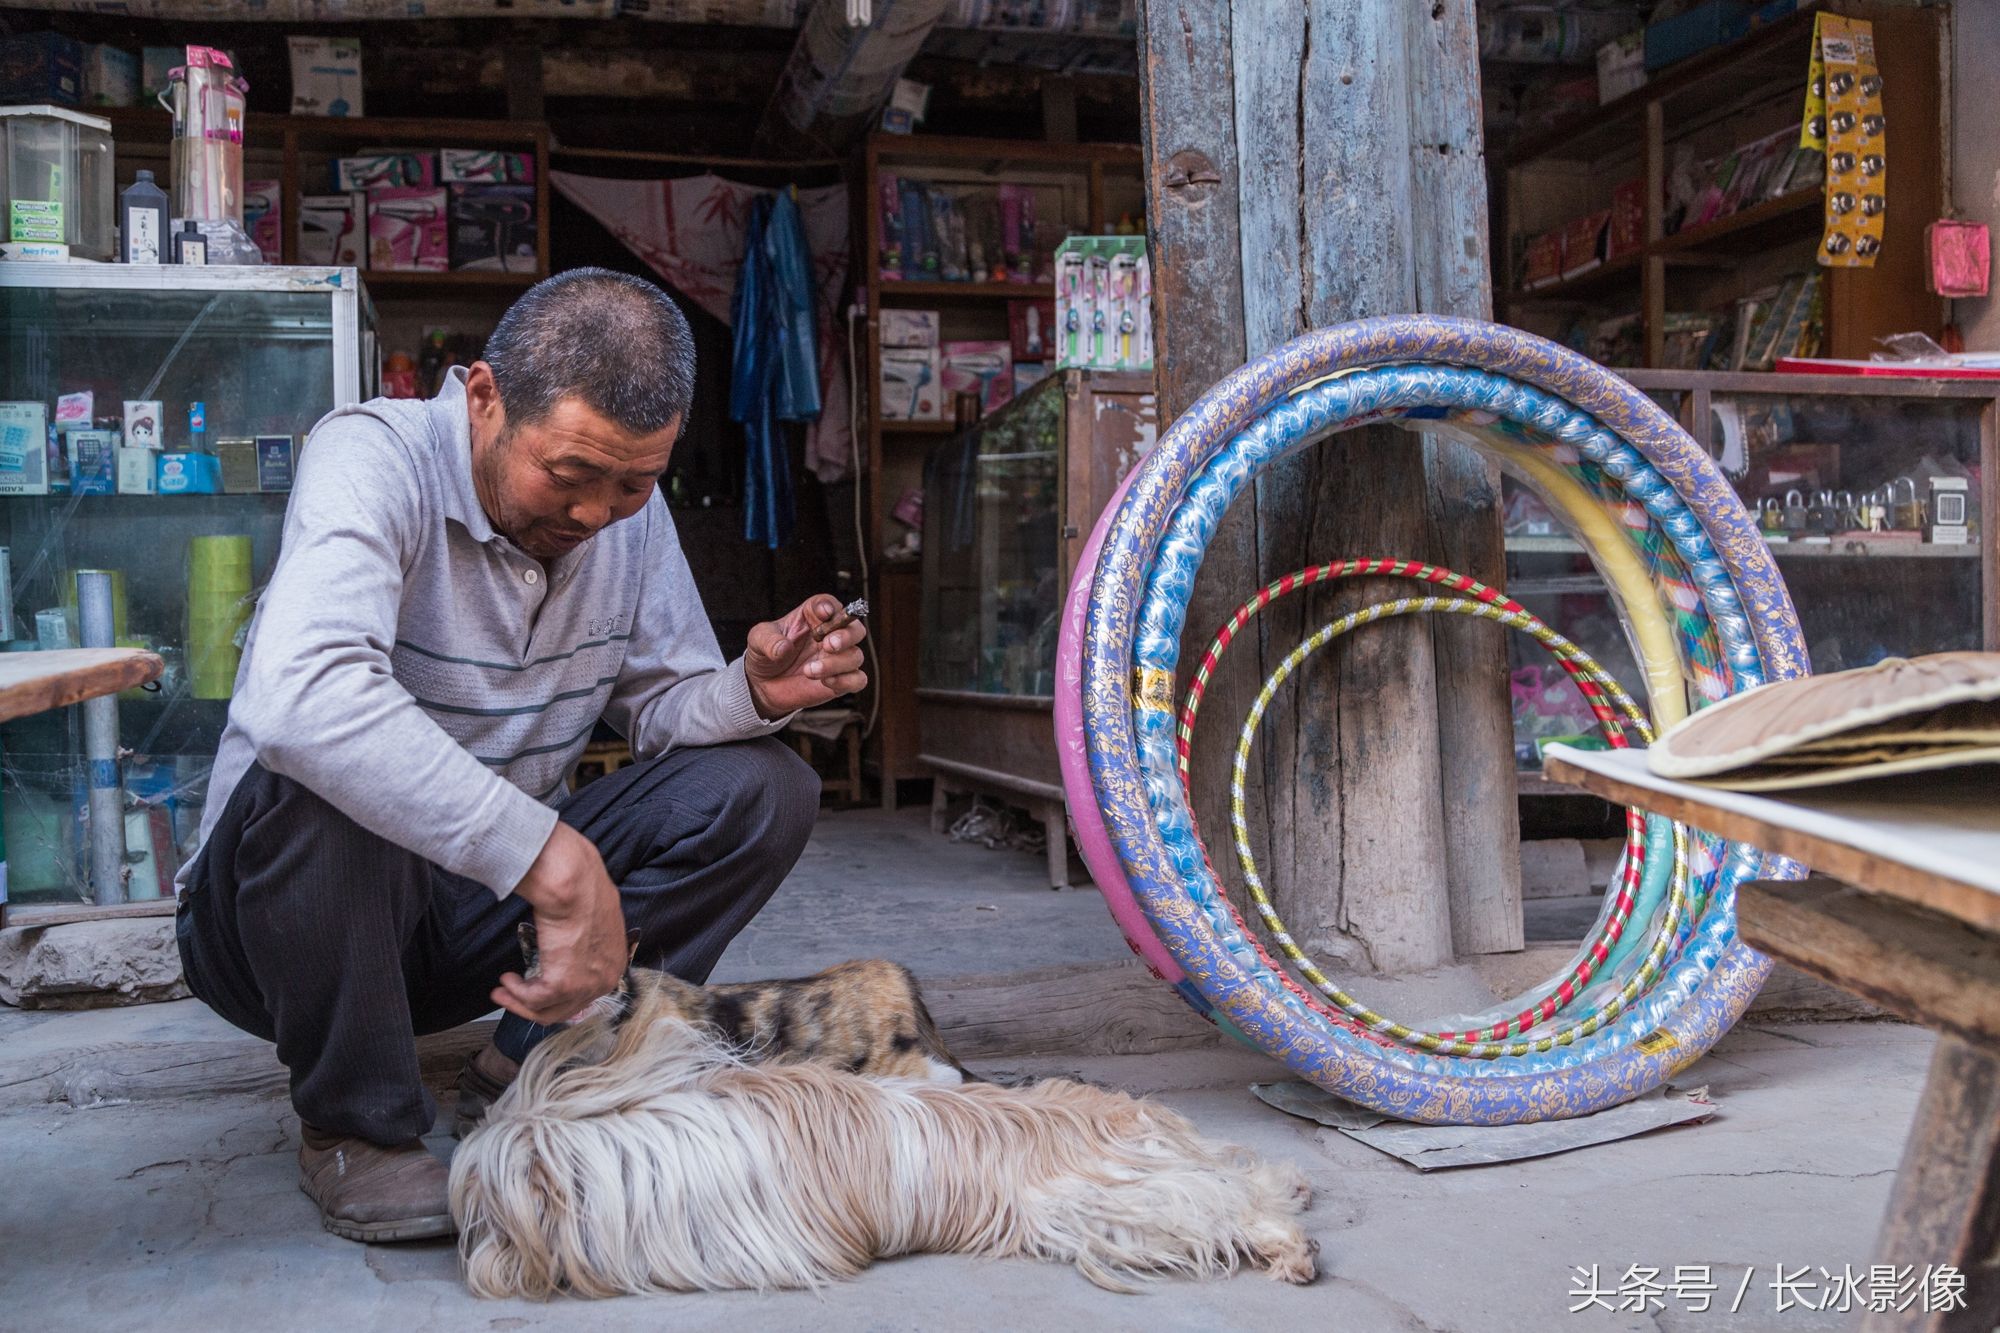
409	230
982	367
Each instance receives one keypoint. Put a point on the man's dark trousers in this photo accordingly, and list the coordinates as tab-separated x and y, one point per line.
305	929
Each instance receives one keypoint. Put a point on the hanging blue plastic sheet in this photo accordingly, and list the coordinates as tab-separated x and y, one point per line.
775	376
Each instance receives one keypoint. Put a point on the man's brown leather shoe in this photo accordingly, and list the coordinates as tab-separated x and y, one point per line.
486	1075
367	1192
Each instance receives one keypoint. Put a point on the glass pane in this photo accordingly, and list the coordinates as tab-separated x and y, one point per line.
990	508
260	363
1855	495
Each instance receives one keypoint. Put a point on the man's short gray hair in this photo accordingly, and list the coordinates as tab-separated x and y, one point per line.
615	341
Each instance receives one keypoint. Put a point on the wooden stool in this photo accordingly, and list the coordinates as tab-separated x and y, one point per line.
836	725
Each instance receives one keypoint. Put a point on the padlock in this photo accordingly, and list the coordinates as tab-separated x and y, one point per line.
1819	514
1907	514
1849	512
1770	517
1796	513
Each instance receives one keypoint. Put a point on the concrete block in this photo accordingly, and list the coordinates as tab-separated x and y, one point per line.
91	964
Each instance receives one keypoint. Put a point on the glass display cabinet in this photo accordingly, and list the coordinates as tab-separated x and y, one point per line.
1008	506
163	367
1874	492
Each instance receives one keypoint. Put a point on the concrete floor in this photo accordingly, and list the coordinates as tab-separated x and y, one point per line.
183	1212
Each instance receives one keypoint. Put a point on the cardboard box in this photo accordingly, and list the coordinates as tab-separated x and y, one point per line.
909	328
110	76
275	457
1621	66
190	474
910	387
35	220
156	67
138	471
982	367
408	230
41	67
24	449
1706	25
1628	219
1031	329
493	228
264	218
237	458
326	76
93	462
416	169
484	166
143	418
1583	242
333	229
1027	374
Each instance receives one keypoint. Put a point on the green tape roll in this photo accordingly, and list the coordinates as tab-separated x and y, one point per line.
217	599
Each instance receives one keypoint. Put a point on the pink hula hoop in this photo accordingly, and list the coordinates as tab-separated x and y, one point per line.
1087	820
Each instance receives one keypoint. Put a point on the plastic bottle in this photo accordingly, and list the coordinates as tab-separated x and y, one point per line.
142	222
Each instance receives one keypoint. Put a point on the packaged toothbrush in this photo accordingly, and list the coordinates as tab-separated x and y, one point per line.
889	200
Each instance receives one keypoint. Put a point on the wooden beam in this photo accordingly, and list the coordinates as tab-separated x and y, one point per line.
1194	194
522	71
1059	109
36	682
1916	964
1945	1209
1453	272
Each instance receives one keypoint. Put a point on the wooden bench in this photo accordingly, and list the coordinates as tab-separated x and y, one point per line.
1905	911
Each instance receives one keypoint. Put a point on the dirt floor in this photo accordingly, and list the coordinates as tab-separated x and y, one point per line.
149	1173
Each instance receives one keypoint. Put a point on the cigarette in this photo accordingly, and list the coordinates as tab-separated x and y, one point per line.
853	611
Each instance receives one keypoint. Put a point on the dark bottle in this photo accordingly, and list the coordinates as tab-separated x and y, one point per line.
190	246
142	222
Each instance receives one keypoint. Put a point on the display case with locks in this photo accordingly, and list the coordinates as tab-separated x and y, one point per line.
150	418
1875	493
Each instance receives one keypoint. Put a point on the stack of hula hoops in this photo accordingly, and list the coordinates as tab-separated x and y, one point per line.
1663	974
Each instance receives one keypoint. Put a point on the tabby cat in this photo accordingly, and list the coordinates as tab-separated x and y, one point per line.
866	1017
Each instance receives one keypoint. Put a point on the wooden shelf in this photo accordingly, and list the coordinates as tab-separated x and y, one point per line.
1752	229
1733	94
301	141
918	427
966	291
1585	284
262	129
395	283
1704	80
1003	153
1851	549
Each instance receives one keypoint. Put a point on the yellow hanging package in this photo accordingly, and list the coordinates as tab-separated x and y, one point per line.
1854	136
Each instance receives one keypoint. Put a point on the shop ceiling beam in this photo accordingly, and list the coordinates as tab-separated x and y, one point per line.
1308	162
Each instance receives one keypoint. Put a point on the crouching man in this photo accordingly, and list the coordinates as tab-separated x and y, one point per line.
466	586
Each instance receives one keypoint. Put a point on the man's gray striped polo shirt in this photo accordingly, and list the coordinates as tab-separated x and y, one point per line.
435	682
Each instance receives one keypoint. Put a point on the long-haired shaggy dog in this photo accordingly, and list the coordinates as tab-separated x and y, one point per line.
650	1155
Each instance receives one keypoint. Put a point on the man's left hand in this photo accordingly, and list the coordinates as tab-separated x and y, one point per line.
787	671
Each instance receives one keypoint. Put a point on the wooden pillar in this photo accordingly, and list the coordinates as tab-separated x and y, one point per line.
1309	163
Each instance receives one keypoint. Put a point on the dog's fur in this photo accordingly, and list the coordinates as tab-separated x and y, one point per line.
866	1017
648	1155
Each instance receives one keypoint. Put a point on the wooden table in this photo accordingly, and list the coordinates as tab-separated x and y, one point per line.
36	682
1905	910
